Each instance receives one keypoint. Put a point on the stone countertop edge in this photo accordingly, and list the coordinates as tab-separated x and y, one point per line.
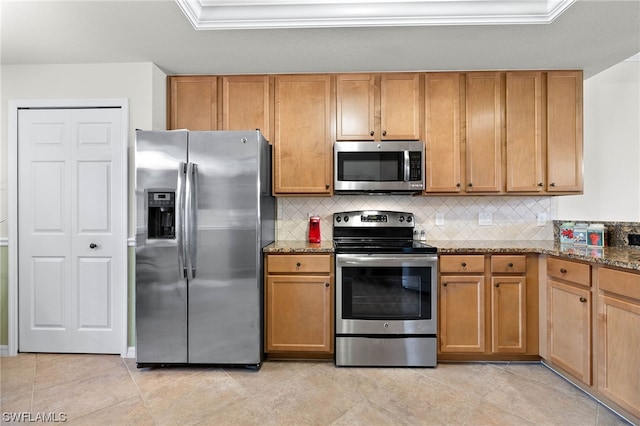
622	257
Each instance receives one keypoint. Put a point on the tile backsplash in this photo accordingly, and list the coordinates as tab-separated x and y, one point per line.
512	218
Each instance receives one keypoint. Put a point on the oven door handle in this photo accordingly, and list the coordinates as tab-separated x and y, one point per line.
385	260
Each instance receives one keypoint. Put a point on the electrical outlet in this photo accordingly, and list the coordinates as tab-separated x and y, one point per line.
634	239
439	219
485	218
542	219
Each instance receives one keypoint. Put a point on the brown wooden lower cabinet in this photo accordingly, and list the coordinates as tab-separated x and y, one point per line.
569	317
488	307
619	338
299	312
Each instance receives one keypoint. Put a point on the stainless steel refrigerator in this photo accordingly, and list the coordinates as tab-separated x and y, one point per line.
204	210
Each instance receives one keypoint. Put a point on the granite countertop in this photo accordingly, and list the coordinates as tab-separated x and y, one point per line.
622	257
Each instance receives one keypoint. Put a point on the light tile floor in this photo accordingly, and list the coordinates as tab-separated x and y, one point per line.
109	390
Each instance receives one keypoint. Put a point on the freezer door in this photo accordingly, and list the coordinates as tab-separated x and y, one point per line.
224	296
161	288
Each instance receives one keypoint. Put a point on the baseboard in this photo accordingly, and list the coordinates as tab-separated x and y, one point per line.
4	350
131	352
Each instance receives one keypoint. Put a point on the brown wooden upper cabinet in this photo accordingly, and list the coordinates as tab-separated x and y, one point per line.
193	103
524	139
378	106
246	103
443	103
483	120
302	139
564	131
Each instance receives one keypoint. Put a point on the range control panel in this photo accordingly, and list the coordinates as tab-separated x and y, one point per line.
373	218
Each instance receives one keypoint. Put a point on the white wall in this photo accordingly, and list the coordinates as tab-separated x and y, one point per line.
144	84
611	149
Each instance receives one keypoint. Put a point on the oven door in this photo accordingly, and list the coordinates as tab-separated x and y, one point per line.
386	294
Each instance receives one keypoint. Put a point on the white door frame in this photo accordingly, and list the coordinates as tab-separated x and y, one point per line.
12	296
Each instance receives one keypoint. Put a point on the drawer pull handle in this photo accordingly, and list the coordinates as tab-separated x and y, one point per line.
444	284
563	271
464	264
583	299
510	265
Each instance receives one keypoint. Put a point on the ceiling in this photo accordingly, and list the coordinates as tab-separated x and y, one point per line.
592	35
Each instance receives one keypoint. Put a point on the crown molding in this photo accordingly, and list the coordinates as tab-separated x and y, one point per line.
261	14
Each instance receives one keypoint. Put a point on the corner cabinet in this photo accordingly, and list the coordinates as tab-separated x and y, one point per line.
299	310
374	107
303	137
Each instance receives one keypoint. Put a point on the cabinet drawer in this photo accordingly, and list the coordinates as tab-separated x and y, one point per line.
619	282
508	264
578	273
285	263
461	264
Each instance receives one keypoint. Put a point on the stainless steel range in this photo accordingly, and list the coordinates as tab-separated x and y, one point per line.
386	291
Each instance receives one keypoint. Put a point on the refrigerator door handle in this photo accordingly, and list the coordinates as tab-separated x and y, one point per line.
180	218
191	220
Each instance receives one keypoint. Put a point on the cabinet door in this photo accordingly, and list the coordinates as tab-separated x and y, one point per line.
442	126
462	314
355	107
484	132
246	103
564	131
302	142
619	354
192	103
400	106
509	314
569	329
298	314
524	171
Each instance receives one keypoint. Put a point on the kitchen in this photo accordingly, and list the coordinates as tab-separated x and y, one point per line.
606	118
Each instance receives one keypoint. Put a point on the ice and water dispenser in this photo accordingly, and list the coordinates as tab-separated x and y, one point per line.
161	223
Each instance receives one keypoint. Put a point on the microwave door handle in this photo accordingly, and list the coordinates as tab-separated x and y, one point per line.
407	166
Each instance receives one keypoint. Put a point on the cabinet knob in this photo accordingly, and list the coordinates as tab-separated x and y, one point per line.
298	265
552	184
497	285
444	284
458	185
510	265
563	271
470	185
540	184
384	133
371	133
583	299
326	186
326	284
464	264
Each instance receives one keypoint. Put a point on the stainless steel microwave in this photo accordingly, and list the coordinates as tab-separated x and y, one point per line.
378	167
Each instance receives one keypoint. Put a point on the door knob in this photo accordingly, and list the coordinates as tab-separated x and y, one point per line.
93	245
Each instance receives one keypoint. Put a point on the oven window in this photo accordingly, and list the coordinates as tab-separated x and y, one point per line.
371	166
386	293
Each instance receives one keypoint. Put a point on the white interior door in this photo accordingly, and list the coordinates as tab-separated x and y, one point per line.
71	185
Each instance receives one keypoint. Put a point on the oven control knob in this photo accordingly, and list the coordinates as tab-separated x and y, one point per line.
346	218
409	219
401	219
386	325
338	219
